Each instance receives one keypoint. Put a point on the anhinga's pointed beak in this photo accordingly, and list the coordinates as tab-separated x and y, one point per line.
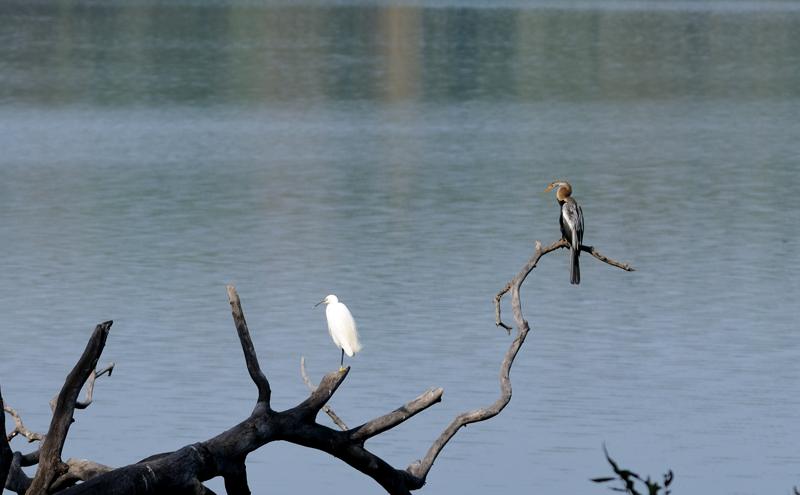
550	187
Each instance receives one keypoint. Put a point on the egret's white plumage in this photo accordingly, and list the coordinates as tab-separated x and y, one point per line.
341	326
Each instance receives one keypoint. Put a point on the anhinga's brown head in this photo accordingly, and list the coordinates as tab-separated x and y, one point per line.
564	189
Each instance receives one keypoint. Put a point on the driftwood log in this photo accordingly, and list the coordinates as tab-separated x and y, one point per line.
184	470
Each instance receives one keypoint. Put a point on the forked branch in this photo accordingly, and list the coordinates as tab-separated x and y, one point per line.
185	469
19	427
73	470
311	387
421	468
324	391
531	264
50	464
89	388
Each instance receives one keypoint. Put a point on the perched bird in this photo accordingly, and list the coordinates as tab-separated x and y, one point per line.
341	326
571	221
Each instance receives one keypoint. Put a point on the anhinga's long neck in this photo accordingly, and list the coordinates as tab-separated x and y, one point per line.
563	193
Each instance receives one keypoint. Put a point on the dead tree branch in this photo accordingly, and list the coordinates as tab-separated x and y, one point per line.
16	480
50	464
5	450
95	374
250	358
311	387
591	250
19	427
394	418
531	264
184	470
74	469
78	470
422	467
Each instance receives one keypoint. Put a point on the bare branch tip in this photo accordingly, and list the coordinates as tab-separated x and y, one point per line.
304	374
232	294
109	369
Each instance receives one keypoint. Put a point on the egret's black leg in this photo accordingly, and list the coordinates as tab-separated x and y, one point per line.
341	362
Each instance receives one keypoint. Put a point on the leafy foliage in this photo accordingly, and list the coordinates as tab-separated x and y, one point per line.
630	482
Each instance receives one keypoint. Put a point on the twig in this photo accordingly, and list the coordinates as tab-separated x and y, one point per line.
497	321
19	427
591	250
89	388
561	243
311	387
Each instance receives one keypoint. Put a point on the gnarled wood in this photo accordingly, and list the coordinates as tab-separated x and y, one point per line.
17	481
421	467
50	464
19	427
78	470
311	387
184	470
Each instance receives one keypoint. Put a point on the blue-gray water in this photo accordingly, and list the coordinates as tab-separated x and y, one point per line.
396	156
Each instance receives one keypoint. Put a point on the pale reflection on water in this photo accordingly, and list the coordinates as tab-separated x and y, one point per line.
395	156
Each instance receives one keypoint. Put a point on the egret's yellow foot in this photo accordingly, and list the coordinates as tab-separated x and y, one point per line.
341	368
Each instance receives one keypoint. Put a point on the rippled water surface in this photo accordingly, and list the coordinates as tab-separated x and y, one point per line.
396	156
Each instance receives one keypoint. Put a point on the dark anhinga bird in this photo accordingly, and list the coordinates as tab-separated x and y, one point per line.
571	221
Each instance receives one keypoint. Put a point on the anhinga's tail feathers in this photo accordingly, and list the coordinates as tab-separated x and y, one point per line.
574	267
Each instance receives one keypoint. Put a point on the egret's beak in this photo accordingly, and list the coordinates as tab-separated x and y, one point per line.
319	303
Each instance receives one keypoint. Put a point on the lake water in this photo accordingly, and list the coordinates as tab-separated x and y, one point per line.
396	156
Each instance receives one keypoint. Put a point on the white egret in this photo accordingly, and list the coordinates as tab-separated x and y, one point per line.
341	326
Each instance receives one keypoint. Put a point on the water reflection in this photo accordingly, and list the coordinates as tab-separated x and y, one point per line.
122	54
